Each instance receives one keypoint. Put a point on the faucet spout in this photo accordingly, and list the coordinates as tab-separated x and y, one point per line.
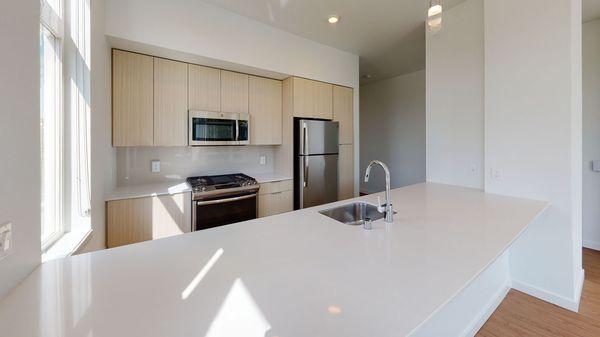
389	209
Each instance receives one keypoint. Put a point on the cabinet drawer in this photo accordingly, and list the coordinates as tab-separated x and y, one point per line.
275	203
275	187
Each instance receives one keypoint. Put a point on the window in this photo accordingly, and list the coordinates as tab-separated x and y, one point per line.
65	125
51	126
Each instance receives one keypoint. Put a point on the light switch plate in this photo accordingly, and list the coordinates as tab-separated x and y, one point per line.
5	240
263	160
155	166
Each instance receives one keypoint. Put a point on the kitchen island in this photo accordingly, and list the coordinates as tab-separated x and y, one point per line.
294	274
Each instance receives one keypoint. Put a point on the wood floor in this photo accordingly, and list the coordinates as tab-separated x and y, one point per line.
522	315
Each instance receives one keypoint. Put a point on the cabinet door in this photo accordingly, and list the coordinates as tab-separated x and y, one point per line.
323	100
284	201
204	88
266	111
132	99
170	103
141	219
264	205
234	92
343	112
346	172
303	97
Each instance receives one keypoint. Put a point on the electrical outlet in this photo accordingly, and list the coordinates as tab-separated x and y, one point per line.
155	166
496	174
263	160
5	240
596	166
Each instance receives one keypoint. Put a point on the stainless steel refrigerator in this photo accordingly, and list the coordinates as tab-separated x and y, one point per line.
315	162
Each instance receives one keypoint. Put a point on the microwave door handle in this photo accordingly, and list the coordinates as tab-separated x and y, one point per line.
237	130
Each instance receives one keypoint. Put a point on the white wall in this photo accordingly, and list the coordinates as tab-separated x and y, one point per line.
533	135
195	27
19	137
177	163
455	98
103	176
591	134
392	122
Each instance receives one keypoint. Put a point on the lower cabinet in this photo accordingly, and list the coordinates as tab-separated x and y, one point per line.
141	219
275	198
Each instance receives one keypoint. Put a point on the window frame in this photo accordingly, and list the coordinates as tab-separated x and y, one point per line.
52	24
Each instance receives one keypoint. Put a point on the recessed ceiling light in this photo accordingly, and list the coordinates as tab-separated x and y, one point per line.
333	19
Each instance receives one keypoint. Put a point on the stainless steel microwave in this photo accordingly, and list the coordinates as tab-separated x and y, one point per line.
218	128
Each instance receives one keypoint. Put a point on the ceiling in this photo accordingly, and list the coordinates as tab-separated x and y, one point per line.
389	37
591	10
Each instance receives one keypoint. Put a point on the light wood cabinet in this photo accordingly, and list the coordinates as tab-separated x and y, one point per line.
323	93
133	103
266	111
346	172
234	92
204	88
312	99
343	112
142	219
170	103
275	198
303	97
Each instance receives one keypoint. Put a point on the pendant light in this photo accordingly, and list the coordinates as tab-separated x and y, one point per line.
434	16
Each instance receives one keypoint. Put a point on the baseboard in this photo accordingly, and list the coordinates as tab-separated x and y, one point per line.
591	245
571	304
477	323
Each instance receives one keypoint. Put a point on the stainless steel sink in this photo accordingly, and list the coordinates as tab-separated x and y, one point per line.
353	214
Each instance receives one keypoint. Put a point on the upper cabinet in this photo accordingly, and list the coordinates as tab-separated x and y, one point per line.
204	89
234	92
133	103
170	103
266	110
312	99
323	100
303	97
343	112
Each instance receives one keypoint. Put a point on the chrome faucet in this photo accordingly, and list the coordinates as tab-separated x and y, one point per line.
387	208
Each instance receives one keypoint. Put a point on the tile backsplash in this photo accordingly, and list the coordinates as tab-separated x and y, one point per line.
177	163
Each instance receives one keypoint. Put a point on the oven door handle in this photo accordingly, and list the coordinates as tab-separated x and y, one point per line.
222	201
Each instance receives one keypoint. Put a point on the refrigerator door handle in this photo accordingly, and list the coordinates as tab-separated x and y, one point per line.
305	171
305	140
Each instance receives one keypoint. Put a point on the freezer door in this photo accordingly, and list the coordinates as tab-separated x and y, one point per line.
318	137
318	180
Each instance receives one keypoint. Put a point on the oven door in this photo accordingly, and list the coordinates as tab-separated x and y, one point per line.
213	128
223	210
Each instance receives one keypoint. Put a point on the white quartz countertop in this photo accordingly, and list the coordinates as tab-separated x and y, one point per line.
166	188
149	190
295	274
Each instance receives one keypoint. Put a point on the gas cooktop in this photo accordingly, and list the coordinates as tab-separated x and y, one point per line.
221	184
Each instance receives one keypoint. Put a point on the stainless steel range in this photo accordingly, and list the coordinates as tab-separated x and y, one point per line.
222	200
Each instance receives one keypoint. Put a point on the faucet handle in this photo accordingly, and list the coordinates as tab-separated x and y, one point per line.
380	208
